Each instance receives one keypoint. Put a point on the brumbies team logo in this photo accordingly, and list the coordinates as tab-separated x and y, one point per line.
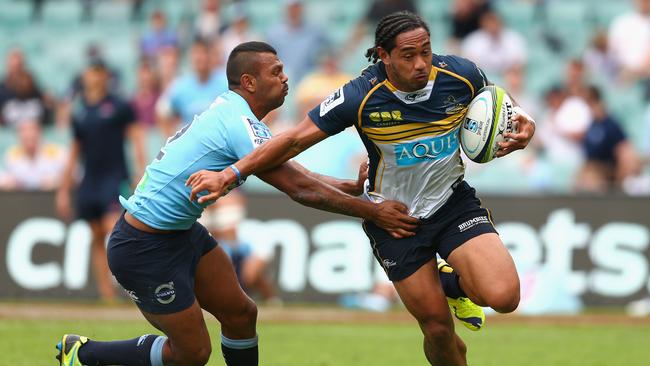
165	293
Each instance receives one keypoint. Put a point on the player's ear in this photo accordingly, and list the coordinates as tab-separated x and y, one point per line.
384	56
248	82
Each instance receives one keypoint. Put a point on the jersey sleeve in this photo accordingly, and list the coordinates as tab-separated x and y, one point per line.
245	135
340	109
470	71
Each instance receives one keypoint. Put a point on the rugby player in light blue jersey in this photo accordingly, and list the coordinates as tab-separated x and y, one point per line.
168	263
407	109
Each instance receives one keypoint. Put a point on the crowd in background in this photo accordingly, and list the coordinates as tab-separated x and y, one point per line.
578	135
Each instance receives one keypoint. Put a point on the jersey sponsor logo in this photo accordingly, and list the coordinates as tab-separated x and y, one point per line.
392	116
165	293
257	131
442	64
473	222
415	96
433	148
335	99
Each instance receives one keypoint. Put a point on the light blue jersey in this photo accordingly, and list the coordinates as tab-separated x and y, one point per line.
189	97
217	138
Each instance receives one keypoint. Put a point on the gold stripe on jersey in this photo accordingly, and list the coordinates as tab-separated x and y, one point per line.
365	100
471	87
405	135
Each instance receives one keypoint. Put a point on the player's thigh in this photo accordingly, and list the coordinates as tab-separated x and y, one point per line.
218	291
486	268
186	330
423	297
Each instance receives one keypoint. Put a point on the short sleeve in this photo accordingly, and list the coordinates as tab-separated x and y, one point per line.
246	135
340	109
470	71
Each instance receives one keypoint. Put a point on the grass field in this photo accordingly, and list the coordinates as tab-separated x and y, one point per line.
287	339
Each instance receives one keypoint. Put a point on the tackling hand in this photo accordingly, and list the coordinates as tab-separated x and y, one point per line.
216	183
525	127
393	217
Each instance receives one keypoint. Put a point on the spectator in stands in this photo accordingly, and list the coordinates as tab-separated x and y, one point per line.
575	79
158	37
32	164
191	94
377	10
101	121
22	100
208	22
238	32
167	64
494	47
298	42
515	83
320	83
146	95
610	156
598	58
629	42
222	219
94	54
465	19
562	130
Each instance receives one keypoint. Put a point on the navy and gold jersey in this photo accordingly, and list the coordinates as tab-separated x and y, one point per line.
411	137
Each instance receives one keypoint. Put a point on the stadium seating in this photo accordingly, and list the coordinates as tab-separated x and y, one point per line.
55	47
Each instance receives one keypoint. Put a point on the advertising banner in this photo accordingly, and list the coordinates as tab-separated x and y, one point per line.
570	251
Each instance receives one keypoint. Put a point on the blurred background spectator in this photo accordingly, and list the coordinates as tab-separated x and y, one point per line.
101	122
494	47
32	164
298	41
546	53
192	93
610	157
251	262
159	36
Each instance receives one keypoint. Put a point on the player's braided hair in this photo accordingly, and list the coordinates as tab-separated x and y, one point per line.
389	27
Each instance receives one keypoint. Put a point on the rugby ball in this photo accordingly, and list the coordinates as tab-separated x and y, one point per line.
488	117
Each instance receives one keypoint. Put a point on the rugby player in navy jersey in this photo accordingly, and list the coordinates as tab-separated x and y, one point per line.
407	109
168	263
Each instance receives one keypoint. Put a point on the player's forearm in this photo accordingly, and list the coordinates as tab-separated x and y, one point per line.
270	155
351	187
328	198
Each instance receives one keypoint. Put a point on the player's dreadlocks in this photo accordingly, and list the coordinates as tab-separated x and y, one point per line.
389	27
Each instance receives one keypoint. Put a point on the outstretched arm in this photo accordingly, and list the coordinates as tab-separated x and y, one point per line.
349	186
309	191
270	154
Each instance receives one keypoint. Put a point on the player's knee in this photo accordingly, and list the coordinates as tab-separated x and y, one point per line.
504	298
437	328
243	319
